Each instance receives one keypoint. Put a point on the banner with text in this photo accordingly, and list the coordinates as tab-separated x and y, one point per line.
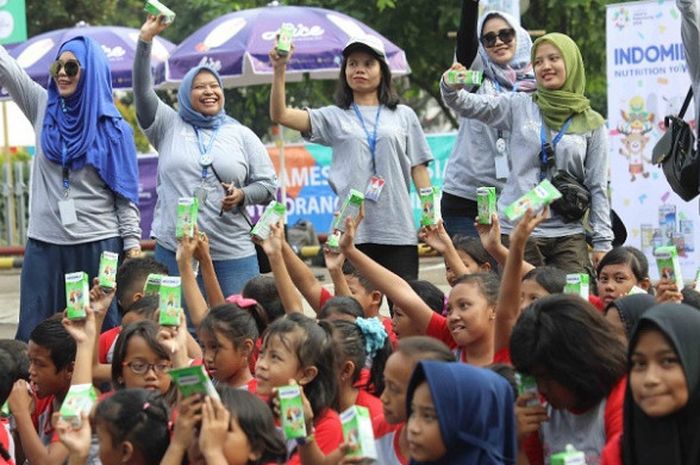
647	80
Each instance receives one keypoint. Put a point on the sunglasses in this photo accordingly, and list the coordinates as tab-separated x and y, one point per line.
71	68
506	36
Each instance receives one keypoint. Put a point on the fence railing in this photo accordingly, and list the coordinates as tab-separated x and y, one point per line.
14	202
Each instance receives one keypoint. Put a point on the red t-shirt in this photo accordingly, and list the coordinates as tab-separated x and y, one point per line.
328	432
41	418
6	442
613	417
373	404
438	329
106	344
597	302
324	297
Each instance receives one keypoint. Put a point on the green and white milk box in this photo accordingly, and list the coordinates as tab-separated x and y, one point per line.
430	206
579	284
333	241
170	303
358	433
80	398
539	197
291	412
77	294
526	385
570	456
274	212
152	285
464	77
668	264
193	380
485	204
156	8
107	274
351	207
187	211
284	39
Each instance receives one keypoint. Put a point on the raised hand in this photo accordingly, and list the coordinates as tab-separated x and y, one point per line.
153	26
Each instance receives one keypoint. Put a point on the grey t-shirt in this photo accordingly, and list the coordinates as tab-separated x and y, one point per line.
472	161
101	213
400	146
585	156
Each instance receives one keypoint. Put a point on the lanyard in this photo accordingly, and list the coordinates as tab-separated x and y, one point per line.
548	149
371	139
205	158
66	171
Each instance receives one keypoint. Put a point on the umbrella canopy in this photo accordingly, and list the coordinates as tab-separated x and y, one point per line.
119	44
237	44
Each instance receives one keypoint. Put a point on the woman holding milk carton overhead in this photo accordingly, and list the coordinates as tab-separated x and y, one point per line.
555	137
499	48
203	154
84	187
378	147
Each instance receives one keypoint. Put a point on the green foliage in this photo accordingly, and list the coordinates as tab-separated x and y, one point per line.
126	108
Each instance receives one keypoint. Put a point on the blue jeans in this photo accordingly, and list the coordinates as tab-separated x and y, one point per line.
232	274
42	283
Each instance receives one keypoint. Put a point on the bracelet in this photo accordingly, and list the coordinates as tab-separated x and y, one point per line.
306	441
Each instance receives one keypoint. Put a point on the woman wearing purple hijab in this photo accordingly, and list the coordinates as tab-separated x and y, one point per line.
84	186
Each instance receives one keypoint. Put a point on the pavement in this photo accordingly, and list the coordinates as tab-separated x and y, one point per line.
431	269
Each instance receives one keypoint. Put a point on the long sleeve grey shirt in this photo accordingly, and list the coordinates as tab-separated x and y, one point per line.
239	157
585	156
690	33
101	213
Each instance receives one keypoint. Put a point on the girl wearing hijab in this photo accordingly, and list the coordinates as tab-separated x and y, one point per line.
378	148
451	425
625	312
203	153
499	47
554	129
84	187
662	401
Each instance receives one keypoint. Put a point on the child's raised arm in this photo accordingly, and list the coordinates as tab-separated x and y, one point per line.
273	245
334	264
302	277
100	302
391	285
438	239
490	237
508	307
84	332
206	267
196	305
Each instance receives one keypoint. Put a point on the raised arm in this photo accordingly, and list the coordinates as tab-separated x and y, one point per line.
291	301
196	305
508	307
302	277
212	288
24	91
438	239
145	98
690	33
467	34
279	112
392	285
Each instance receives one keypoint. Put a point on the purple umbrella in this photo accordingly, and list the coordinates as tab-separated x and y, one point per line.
237	44
119	44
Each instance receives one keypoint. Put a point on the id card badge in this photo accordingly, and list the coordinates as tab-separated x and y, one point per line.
501	159
200	193
66	208
374	188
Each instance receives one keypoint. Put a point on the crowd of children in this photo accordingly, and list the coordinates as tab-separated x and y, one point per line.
519	362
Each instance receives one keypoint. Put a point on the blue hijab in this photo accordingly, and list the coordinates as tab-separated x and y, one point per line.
189	114
88	124
475	410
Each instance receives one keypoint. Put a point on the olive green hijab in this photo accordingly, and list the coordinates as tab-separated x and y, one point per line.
557	105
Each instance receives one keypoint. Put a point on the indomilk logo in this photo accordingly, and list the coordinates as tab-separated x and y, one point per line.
650	54
300	30
213	64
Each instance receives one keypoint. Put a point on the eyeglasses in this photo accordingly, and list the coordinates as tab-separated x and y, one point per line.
141	368
506	36
71	67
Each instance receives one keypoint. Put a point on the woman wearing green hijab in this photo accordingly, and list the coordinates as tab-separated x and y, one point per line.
553	129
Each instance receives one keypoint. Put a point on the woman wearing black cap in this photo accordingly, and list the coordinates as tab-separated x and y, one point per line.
378	147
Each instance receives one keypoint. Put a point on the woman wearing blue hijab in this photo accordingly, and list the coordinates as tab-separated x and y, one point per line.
460	415
202	153
84	186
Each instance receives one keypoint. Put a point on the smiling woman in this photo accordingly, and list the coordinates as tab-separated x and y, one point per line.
84	190
206	154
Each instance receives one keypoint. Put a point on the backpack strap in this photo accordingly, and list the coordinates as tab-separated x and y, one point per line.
686	103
